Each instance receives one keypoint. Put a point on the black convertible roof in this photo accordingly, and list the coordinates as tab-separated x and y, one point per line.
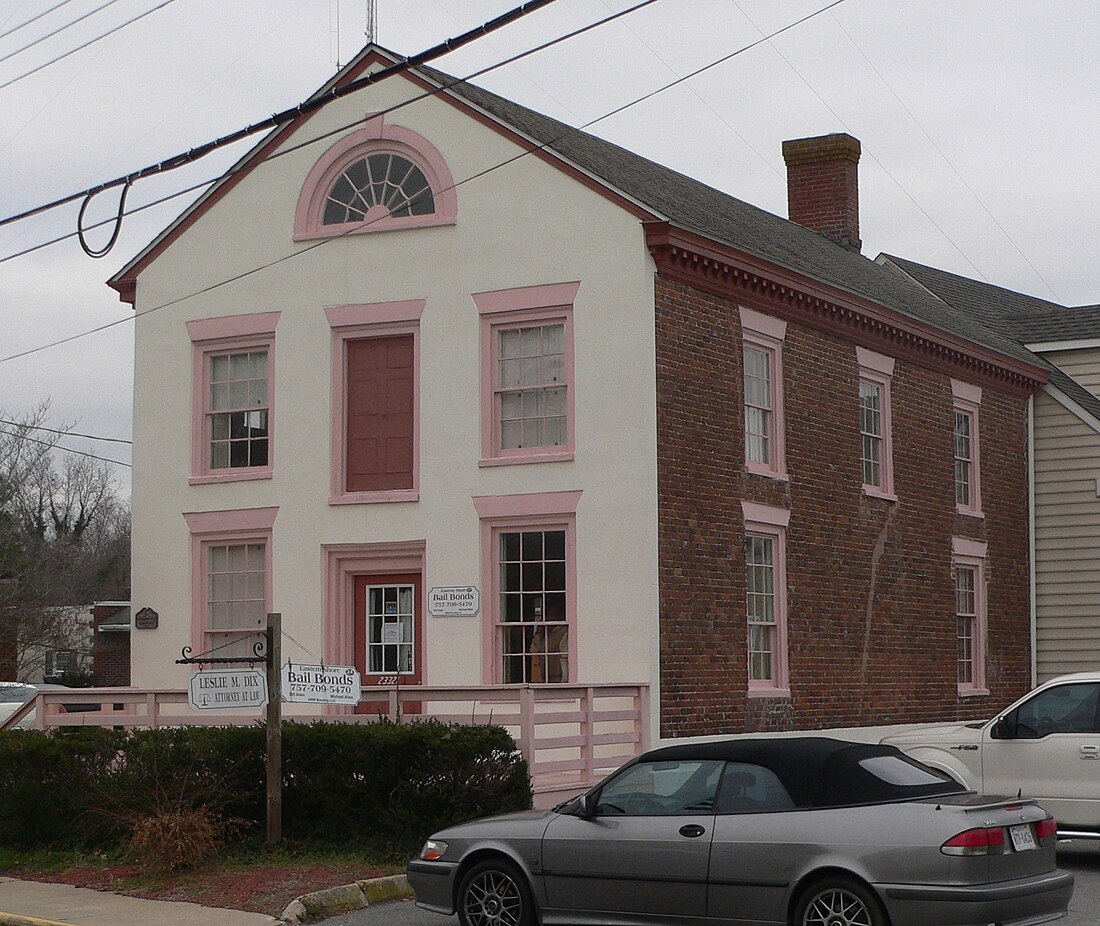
816	771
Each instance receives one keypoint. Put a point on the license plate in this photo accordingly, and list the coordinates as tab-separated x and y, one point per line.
1022	839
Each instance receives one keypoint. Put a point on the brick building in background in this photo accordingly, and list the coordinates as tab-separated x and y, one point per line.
676	440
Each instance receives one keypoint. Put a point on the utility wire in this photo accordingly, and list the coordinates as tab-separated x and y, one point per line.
338	130
37	427
868	151
946	159
538	147
37	16
288	115
79	453
58	30
81	47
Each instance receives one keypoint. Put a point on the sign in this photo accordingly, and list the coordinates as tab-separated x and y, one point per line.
463	599
321	684
146	619
219	689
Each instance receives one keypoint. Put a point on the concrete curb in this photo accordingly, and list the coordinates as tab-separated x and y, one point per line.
17	919
321	905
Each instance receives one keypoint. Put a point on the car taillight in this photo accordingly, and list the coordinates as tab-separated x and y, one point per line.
984	841
1046	831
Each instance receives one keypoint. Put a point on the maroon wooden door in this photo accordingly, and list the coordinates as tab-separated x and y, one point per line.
380	403
389	634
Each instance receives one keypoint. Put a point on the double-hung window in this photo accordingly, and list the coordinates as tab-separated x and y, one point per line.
527	392
964	412
529	564
968	567
231	580
766	599
762	356
232	397
875	423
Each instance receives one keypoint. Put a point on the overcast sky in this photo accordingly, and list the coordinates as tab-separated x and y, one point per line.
979	121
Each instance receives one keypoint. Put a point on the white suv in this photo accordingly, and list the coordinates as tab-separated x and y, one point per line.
1045	746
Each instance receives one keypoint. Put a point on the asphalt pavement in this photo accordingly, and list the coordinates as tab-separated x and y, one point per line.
1080	857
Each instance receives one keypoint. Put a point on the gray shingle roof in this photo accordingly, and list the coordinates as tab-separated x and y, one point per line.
1026	318
694	206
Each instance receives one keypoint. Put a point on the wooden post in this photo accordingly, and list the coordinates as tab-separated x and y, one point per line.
274	729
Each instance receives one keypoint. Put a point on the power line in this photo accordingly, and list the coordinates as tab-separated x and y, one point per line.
37	16
57	31
290	149
79	453
946	159
63	433
81	47
288	115
538	147
869	152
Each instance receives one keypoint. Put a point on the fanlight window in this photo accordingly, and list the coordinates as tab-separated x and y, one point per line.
378	180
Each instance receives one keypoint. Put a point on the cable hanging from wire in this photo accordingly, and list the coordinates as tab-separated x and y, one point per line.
287	115
290	149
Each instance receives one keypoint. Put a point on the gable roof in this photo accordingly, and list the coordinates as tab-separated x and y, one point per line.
1027	319
647	188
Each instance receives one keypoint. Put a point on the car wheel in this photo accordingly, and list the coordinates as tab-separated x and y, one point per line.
839	901
495	893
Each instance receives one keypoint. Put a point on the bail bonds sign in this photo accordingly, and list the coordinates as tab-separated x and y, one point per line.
305	684
219	689
462	599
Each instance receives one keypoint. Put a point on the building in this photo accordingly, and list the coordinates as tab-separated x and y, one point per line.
111	648
1064	434
425	339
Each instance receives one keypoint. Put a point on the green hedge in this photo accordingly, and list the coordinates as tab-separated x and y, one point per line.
382	785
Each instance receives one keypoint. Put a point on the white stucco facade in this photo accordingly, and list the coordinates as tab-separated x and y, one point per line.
526	224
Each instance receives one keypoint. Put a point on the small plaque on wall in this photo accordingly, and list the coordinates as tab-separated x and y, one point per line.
146	619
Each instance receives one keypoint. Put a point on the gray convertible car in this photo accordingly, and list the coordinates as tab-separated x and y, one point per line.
801	831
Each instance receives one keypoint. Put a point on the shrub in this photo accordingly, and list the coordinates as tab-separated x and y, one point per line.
175	839
381	785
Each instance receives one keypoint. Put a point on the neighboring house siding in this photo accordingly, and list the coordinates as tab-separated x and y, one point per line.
870	607
1067	541
1082	365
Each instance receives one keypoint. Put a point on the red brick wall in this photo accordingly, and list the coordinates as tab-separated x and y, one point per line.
110	653
854	659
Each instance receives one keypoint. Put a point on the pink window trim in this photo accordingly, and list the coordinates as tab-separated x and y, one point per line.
968	399
245	525
767	333
878	369
771	522
349	323
375	137
972	553
511	308
557	504
210	336
517	516
343	562
759	323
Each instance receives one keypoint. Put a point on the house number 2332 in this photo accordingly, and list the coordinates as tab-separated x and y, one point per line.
387	680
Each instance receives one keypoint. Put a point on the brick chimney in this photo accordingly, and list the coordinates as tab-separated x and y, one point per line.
823	185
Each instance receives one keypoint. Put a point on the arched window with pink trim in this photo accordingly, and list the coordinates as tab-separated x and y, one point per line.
380	178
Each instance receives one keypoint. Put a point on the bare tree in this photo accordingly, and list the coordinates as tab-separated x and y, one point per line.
64	541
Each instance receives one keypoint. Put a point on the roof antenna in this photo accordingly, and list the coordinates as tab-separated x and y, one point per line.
371	32
334	32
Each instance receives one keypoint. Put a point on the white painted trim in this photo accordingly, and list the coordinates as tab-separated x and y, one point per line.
1062	399
1032	595
1042	347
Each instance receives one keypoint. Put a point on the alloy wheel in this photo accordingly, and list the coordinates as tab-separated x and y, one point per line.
835	906
493	899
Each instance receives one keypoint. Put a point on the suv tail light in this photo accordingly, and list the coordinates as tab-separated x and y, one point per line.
1046	831
983	841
